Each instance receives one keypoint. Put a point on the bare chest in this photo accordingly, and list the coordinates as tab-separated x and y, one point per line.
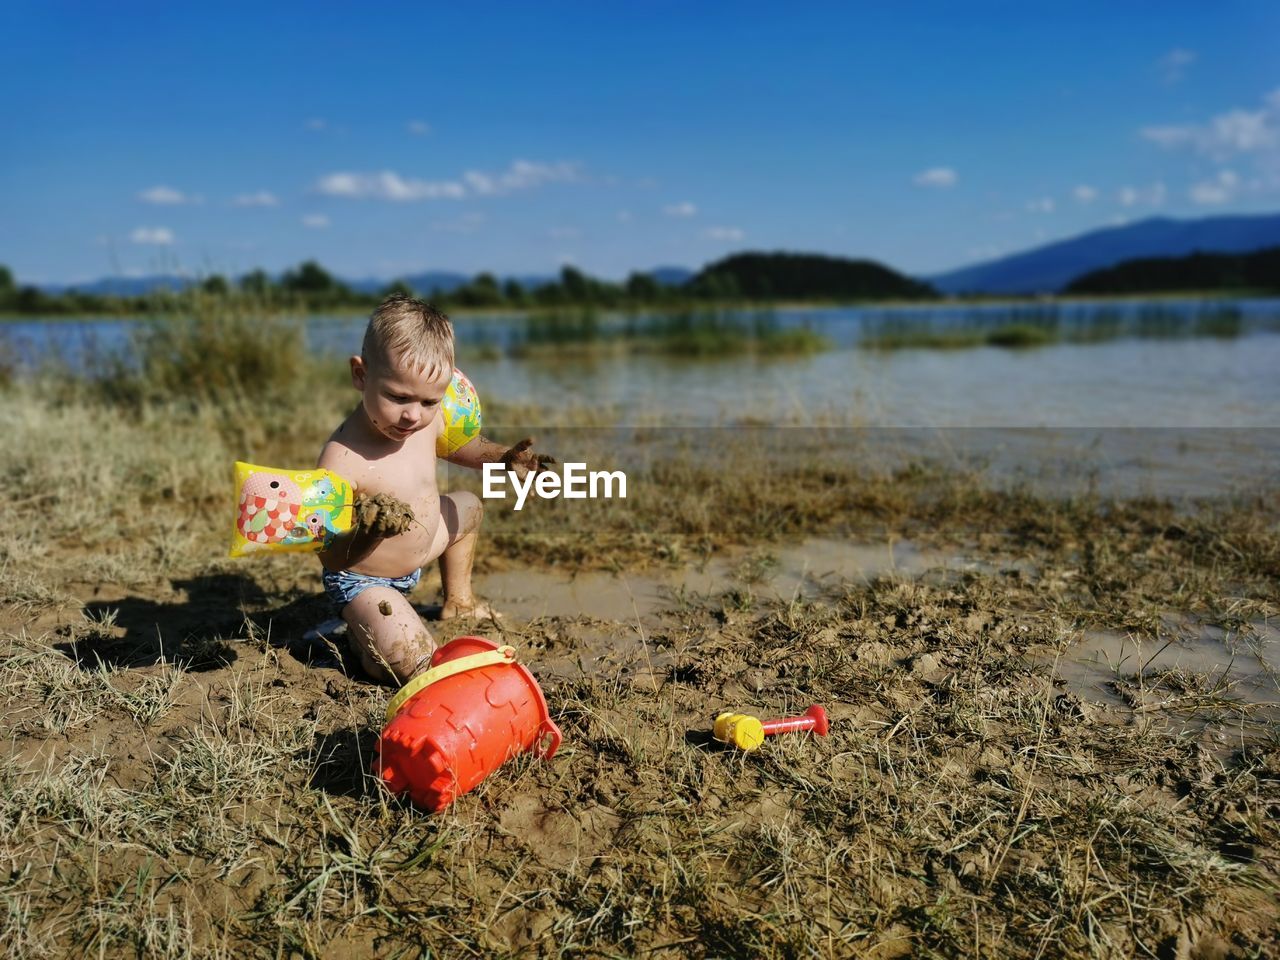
407	473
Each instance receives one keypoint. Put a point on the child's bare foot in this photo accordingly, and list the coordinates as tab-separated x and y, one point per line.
468	610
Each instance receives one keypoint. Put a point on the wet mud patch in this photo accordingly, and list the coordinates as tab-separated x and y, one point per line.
1220	684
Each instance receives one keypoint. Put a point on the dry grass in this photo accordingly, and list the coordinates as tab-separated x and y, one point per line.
963	804
178	782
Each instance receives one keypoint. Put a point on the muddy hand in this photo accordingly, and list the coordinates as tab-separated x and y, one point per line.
382	515
523	461
366	512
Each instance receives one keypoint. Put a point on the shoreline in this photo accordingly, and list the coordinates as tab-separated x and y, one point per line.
354	311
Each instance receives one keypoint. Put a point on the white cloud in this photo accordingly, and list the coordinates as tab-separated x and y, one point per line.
1085	193
1220	189
521	175
731	234
317	124
418	128
564	233
481	183
261	198
624	216
941	177
1229	134
389	185
316	221
1042	205
1174	63
152	236
683	209
1243	131
166	196
1152	196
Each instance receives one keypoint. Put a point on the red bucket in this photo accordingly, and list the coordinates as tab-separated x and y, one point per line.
449	728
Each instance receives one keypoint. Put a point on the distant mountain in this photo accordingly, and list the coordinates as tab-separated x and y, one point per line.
123	286
670	276
422	283
446	282
1050	268
804	276
532	281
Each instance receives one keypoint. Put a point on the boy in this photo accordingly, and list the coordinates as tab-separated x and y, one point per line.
387	445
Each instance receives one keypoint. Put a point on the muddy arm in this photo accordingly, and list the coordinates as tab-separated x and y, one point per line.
519	458
374	518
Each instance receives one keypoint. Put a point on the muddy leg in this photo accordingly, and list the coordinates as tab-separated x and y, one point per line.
462	513
392	647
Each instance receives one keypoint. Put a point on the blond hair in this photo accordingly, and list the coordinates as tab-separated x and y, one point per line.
405	329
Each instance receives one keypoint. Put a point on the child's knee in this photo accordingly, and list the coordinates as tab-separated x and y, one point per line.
467	512
387	635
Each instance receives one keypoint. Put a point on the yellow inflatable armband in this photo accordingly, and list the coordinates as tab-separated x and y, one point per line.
289	510
461	411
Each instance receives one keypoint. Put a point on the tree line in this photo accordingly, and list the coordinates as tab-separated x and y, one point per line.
1259	270
310	286
745	277
740	278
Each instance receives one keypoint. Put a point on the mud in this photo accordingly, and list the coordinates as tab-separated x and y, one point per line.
178	765
807	569
1219	685
521	459
382	515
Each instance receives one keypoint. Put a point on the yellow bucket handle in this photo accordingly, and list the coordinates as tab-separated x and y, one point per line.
448	669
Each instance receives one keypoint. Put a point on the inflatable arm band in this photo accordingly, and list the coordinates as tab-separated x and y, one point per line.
289	510
303	510
461	411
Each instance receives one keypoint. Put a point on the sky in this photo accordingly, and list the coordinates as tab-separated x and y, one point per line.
393	139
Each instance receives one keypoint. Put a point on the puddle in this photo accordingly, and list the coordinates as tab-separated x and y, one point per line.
1196	675
807	570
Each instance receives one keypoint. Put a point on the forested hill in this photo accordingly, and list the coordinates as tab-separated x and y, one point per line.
1259	270
804	276
1048	269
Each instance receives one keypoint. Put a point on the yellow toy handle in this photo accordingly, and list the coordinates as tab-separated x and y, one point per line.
449	668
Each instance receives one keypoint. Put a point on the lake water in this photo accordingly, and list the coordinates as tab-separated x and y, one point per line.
1155	393
1125	380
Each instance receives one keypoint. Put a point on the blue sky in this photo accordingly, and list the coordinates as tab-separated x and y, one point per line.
517	137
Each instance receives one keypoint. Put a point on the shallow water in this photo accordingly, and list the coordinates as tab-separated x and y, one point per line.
1118	383
1178	379
1179	415
803	570
1235	675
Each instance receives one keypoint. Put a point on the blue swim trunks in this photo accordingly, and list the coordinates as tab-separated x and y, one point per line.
344	586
